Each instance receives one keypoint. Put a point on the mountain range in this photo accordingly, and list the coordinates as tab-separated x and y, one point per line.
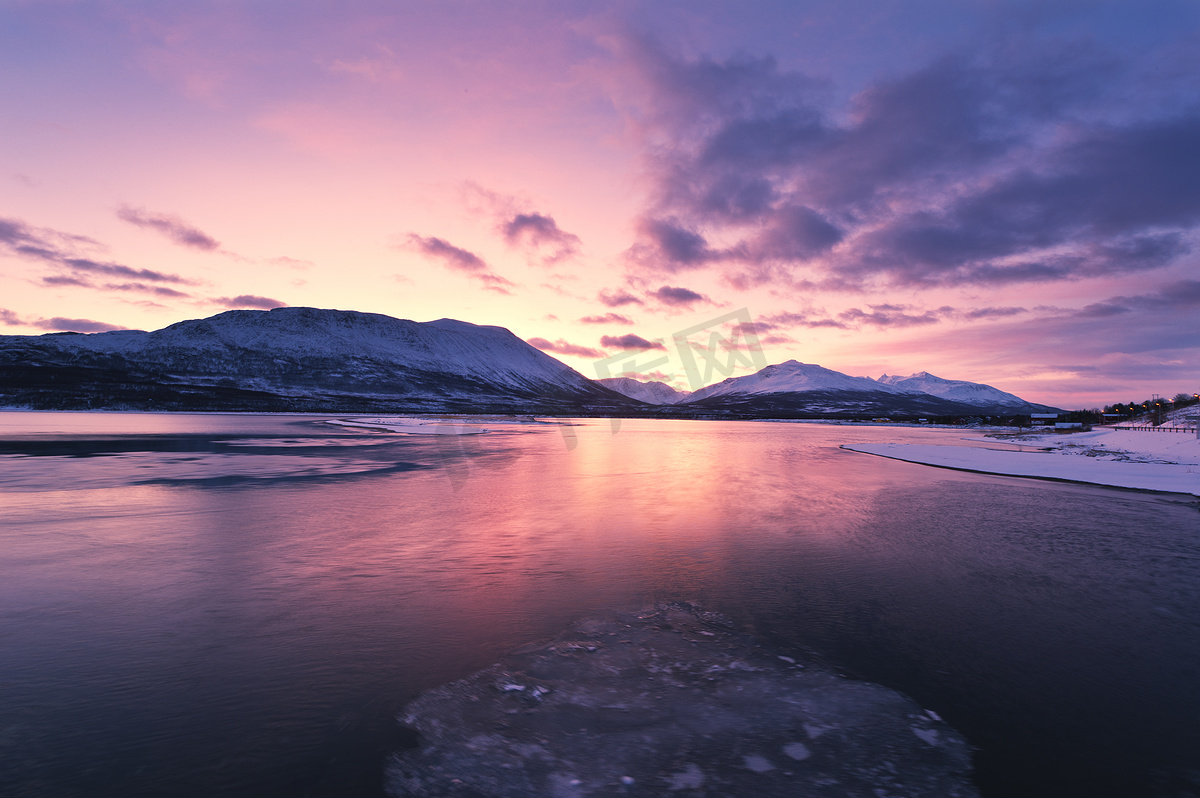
806	389
307	359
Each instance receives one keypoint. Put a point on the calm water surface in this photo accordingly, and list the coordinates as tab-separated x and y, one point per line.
199	605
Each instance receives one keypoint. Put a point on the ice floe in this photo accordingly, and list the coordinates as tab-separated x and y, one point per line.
643	704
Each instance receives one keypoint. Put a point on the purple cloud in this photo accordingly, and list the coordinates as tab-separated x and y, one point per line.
562	347
172	227
678	297
630	342
616	299
67	279
1012	164
460	260
58	323
891	316
540	234
47	246
158	290
607	318
250	301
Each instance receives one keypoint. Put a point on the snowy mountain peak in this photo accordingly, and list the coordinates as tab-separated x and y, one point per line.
286	350
956	390
792	376
651	392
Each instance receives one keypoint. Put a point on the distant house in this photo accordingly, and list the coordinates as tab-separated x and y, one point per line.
1068	425
1042	419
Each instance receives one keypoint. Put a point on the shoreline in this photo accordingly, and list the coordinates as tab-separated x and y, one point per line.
1107	457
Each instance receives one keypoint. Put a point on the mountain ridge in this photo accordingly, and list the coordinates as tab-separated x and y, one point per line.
322	360
297	359
793	386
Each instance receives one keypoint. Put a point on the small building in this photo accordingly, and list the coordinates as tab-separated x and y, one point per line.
1042	419
1068	425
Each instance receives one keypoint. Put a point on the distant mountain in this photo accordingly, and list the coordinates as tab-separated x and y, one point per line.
312	360
791	377
297	359
972	393
653	392
807	390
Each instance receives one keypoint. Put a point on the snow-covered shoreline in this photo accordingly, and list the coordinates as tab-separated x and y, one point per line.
1168	461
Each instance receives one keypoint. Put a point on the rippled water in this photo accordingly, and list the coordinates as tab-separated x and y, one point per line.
238	605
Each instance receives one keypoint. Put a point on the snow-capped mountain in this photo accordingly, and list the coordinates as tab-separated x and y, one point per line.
791	377
295	358
307	359
972	393
652	393
807	389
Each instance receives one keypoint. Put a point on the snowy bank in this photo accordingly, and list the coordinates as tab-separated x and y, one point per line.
1167	461
410	426
665	702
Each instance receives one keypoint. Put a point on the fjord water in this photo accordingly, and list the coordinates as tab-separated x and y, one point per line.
229	605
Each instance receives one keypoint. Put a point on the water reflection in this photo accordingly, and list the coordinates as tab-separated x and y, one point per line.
254	636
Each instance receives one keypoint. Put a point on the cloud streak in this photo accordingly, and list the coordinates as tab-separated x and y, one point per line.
460	260
607	318
562	347
250	301
172	227
57	249
630	342
57	323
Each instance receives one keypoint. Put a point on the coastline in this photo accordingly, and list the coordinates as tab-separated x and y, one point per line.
1167	463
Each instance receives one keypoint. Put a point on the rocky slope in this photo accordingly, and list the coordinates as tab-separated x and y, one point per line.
296	359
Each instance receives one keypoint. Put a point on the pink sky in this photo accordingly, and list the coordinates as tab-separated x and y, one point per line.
998	193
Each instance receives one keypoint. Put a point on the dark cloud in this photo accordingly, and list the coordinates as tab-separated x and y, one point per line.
562	347
55	249
57	324
630	342
881	316
992	313
454	257
541	236
607	318
1018	163
678	297
172	227
250	301
67	279
117	270
891	316
461	260
667	245
1183	295
616	299
754	327
158	290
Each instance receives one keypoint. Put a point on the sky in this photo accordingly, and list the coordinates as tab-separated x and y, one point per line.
999	192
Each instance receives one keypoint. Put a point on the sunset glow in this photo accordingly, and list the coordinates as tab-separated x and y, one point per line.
1006	193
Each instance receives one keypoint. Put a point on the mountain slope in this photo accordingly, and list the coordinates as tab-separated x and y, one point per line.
296	359
653	392
808	390
972	393
791	377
